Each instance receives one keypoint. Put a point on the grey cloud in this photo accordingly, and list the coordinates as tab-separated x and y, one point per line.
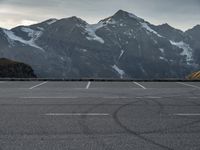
180	13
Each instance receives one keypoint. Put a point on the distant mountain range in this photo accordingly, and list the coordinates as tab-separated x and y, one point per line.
120	46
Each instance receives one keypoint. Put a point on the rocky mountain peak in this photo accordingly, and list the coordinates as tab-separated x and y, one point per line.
119	46
74	20
197	27
194	29
165	25
121	14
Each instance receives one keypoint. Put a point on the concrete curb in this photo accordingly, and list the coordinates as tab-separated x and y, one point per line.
99	80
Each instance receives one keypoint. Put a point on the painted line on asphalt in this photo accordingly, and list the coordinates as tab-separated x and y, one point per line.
74	97
77	114
190	85
194	97
149	97
153	97
37	85
115	97
88	85
180	114
140	85
49	97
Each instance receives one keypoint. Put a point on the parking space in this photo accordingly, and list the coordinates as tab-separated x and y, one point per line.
194	83
95	85
18	84
113	85
104	114
158	85
63	85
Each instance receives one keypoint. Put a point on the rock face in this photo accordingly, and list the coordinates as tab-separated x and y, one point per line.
194	41
120	46
13	69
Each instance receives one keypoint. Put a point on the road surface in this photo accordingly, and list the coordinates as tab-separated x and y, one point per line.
99	115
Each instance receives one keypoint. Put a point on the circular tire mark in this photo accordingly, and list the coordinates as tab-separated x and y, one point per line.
85	128
117	120
164	130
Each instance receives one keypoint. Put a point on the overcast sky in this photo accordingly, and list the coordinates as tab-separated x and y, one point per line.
182	14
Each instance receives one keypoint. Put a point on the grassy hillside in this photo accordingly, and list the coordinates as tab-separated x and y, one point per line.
194	76
13	69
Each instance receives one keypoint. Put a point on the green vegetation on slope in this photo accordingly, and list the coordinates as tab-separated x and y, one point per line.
13	69
194	76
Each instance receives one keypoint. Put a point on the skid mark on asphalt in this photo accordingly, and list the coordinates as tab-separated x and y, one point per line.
168	129
138	135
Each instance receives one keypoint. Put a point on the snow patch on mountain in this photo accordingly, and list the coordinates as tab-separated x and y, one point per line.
91	31
108	21
142	68
31	33
187	50
121	25
51	21
62	58
146	26
162	50
163	58
40	28
84	50
28	30
121	54
119	71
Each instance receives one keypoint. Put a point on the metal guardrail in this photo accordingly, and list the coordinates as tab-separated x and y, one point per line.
99	80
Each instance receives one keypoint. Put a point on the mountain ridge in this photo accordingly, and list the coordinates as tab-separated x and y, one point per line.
119	11
120	46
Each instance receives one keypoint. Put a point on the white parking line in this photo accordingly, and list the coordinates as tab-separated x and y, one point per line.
198	114
194	97
104	97
115	97
140	85
154	97
88	85
149	97
190	85
77	114
49	97
37	85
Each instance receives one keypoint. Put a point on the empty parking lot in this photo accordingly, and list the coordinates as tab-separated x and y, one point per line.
99	115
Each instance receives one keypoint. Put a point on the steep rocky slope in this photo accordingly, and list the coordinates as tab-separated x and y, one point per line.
120	46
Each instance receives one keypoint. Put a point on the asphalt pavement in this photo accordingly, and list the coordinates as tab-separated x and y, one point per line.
39	115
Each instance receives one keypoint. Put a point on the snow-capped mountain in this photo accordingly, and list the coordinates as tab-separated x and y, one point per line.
120	46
